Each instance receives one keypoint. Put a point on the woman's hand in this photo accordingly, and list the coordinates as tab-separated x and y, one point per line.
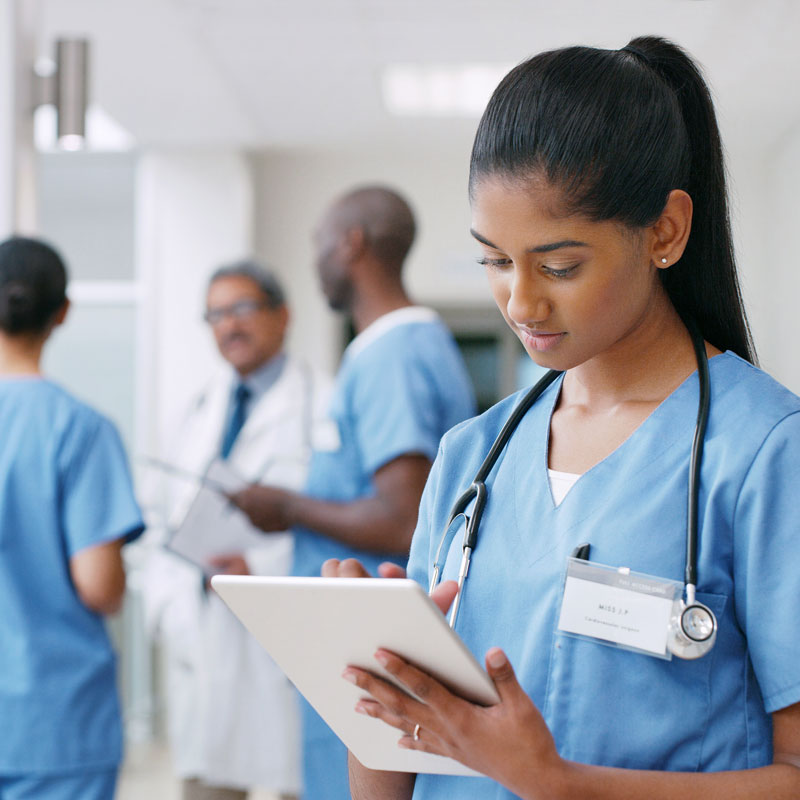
351	568
509	741
443	595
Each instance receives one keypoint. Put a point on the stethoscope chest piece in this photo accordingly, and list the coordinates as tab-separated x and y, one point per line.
692	629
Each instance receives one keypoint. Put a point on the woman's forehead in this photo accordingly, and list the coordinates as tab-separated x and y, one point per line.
532	191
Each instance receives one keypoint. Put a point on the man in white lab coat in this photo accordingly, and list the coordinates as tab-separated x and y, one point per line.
232	714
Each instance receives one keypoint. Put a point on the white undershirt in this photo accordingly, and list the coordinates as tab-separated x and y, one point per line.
561	483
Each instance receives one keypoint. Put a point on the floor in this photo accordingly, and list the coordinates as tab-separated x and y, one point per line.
147	774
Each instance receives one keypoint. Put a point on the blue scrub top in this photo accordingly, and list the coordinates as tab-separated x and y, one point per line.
609	706
396	395
64	486
400	387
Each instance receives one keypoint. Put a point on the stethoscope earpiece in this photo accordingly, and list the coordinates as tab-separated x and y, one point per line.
692	630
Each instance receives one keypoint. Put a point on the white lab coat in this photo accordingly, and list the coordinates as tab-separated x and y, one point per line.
232	713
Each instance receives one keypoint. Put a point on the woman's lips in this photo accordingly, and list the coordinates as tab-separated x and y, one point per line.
540	340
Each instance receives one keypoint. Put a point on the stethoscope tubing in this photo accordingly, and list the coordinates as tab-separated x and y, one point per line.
477	489
703	406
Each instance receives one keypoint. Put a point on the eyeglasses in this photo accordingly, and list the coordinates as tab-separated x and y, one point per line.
240	310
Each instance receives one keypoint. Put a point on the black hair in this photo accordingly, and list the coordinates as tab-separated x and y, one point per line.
617	131
259	274
33	285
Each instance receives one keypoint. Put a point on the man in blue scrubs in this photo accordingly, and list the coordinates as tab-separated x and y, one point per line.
401	386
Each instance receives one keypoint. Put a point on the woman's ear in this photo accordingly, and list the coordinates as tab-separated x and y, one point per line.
670	232
61	314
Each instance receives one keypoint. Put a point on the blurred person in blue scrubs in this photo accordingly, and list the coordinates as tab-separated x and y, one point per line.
402	384
66	509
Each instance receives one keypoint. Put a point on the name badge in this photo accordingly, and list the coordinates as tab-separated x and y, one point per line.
614	606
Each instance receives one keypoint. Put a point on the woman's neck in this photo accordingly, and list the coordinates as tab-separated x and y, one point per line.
20	355
645	366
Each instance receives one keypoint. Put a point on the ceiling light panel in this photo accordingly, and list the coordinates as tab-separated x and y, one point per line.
461	90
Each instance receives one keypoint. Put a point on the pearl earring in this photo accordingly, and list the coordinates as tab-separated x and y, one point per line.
663	260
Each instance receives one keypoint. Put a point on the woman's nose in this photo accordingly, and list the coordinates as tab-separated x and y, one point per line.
528	303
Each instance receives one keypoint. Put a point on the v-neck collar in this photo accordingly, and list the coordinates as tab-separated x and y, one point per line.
654	419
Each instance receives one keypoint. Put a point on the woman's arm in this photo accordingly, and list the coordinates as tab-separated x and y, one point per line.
510	743
99	576
367	784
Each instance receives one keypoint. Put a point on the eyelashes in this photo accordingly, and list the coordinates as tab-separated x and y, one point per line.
501	263
566	272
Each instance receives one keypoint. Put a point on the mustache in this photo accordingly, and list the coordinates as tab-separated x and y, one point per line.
234	337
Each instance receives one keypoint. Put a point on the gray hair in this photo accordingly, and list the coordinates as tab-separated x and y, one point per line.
264	278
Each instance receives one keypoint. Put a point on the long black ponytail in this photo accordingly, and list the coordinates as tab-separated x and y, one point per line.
617	130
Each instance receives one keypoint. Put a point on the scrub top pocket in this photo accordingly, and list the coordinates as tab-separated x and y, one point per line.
606	705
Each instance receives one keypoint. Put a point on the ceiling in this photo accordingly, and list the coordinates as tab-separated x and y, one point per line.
306	73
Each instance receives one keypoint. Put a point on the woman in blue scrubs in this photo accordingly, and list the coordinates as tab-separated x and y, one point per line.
66	508
599	204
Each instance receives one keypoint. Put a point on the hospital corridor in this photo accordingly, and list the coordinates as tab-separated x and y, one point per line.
399	399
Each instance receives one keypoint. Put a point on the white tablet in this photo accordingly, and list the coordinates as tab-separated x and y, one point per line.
314	627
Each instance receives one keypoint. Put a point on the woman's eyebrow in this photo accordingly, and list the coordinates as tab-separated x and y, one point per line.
548	248
541	248
482	240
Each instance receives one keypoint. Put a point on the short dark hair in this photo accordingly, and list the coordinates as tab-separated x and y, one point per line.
386	219
617	131
33	285
256	272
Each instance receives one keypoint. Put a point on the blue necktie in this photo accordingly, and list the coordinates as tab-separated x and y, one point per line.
240	398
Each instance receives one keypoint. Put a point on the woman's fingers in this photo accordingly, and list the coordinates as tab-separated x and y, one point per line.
372	708
349	568
416	736
444	594
396	702
430	699
330	568
388	569
502	674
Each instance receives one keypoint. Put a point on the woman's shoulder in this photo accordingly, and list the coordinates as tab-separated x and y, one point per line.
478	433
740	390
66	410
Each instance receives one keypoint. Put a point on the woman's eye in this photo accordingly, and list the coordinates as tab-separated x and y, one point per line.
494	262
559	272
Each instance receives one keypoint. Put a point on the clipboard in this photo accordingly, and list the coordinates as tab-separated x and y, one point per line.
314	627
212	525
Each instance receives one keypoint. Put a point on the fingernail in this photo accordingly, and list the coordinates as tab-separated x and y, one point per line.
360	709
381	658
349	675
497	659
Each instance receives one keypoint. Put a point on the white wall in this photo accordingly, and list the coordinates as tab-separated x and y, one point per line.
194	212
293	188
18	19
86	210
779	261
7	177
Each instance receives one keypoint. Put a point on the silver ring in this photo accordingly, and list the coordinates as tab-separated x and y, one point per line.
416	732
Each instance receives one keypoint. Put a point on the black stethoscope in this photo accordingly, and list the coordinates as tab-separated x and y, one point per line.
693	626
